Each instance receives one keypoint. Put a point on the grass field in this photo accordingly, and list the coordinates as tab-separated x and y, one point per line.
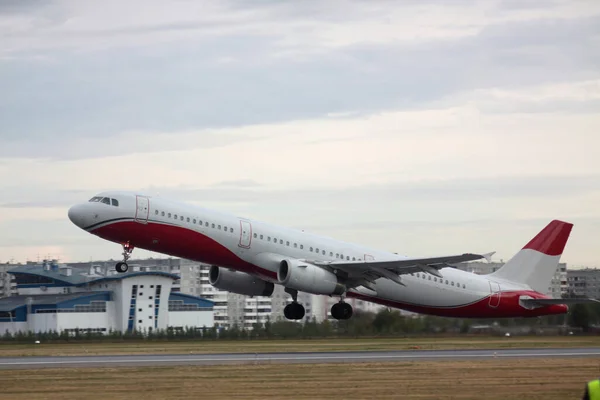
268	346
546	379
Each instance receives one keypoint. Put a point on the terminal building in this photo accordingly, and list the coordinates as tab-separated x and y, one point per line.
52	297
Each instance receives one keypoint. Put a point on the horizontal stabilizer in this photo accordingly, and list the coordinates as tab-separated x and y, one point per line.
549	302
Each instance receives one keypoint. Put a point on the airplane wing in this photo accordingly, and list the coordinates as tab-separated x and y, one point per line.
366	271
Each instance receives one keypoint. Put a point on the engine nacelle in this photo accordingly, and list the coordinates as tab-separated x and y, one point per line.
239	282
309	278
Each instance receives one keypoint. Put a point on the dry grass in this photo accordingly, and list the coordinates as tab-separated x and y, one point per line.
267	346
546	379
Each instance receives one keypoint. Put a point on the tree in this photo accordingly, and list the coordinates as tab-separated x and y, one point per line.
580	316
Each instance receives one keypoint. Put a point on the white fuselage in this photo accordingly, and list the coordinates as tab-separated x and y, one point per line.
247	245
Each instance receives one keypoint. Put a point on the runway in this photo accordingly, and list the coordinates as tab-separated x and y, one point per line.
288	358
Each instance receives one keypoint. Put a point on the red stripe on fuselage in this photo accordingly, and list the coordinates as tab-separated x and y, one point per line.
179	242
508	307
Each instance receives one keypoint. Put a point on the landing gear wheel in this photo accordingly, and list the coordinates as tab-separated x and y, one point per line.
341	311
121	267
294	311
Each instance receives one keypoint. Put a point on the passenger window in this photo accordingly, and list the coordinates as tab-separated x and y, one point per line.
353	258
182	217
280	241
317	251
115	202
255	235
452	283
194	221
213	225
288	243
331	254
156	212
225	228
446	281
268	238
106	200
219	227
231	230
261	237
464	287
169	215
337	255
311	249
323	252
347	258
188	219
296	245
301	246
206	224
162	213
275	240
175	216
429	277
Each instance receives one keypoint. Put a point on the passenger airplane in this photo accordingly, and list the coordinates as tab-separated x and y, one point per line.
249	257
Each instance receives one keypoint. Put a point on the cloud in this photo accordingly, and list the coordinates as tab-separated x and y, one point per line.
239	78
418	127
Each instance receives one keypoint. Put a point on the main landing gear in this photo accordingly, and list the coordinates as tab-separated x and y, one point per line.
341	310
293	310
122	266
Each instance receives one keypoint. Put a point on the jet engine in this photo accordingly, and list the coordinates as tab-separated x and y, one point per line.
239	282
309	278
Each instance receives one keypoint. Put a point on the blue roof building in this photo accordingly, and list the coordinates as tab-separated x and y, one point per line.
60	298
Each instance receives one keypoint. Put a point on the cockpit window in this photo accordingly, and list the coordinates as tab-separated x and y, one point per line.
115	202
106	200
95	199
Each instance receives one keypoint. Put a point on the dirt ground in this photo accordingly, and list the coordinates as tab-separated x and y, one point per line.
546	379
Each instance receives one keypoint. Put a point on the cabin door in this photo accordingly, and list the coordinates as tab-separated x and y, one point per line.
245	234
495	294
142	209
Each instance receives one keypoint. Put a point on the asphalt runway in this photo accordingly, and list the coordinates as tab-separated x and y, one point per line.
288	358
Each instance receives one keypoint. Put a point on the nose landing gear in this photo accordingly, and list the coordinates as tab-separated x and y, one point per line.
122	266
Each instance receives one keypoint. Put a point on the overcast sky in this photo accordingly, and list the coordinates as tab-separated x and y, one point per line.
420	127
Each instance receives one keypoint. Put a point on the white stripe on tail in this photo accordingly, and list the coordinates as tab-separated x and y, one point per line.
536	263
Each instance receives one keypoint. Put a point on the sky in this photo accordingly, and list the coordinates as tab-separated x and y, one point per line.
420	127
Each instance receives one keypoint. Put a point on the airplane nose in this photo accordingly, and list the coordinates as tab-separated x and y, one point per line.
77	215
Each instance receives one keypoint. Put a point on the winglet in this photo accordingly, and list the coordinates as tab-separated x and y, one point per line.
488	256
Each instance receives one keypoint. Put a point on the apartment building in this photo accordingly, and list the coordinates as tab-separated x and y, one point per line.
584	282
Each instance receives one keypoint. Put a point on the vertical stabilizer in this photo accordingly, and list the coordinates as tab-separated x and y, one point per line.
536	263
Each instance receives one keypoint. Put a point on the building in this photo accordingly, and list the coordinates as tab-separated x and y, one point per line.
584	282
558	286
170	265
54	297
8	286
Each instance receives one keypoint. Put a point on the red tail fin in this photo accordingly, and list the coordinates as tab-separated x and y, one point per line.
552	239
536	263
